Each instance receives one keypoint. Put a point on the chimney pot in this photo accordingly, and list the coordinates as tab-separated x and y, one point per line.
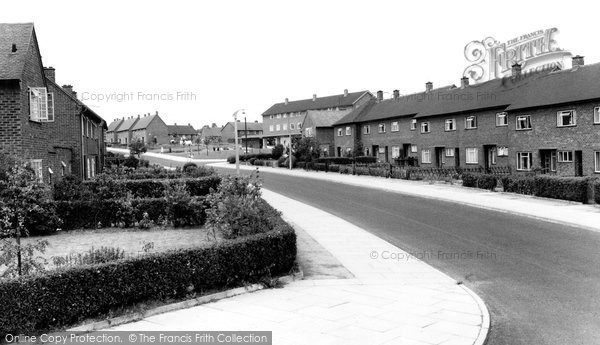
396	94
577	61
286	101
157	112
314	97
464	82
345	92
14	48
516	70
379	95
50	73
428	86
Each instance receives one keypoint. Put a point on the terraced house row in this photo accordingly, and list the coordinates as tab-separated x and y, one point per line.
547	121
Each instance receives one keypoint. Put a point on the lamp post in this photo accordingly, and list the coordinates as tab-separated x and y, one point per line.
235	130
290	139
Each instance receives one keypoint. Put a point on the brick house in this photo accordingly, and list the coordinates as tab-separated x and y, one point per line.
284	119
547	120
211	134
150	130
39	120
110	136
252	131
124	133
180	133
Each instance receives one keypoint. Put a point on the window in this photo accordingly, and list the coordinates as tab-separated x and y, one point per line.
524	160
299	125
597	161
292	126
470	122
413	124
270	128
340	132
425	127
382	128
348	130
502	151
284	116
413	148
597	115
566	118
565	156
395	127
278	127
278	116
472	155
41	105
523	122
501	119
36	165
449	152
450	125
284	126
425	156
308	132
367	129
271	117
395	151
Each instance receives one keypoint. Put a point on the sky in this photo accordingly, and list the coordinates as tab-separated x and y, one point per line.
198	62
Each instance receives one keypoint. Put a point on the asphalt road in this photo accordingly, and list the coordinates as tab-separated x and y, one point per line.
540	281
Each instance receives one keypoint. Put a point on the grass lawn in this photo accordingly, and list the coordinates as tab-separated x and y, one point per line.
129	240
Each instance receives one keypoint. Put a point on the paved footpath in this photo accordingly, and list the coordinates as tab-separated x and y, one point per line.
552	210
392	299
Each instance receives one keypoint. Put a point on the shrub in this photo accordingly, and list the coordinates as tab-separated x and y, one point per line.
335	160
346	169
189	167
231	159
131	162
564	188
365	159
597	191
483	181
66	296
277	151
334	168
379	171
362	171
520	184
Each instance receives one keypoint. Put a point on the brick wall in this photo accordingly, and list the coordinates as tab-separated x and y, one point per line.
10	114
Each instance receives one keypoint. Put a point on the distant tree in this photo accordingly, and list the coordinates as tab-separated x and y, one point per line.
277	151
359	149
137	148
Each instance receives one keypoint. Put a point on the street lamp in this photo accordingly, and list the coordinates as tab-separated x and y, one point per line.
290	140
237	152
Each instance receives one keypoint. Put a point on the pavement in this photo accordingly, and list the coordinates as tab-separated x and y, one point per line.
550	210
394	298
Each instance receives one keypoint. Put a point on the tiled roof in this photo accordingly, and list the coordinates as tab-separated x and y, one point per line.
12	64
114	125
143	122
181	130
318	103
211	131
128	124
252	126
325	119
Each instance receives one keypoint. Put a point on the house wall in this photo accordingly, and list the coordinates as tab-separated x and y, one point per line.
296	118
10	118
156	128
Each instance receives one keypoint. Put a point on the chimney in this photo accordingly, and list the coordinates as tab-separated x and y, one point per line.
379	95
577	61
428	87
516	70
396	94
69	88
175	123
345	92
14	48
314	97
214	125
50	73
157	113
464	82
255	121
286	101
189	124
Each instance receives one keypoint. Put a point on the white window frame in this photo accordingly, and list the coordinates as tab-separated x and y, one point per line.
425	128
530	161
292	126
559	118
395	127
413	124
474	122
395	152
340	132
414	148
367	129
450	125
449	152
41	105
348	130
519	122
284	127
597	115
308	131
381	128
277	127
472	155
597	161
502	115
565	156
37	166
271	128
299	125
502	151
426	156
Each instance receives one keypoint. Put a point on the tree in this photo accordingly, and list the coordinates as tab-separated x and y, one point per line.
359	149
306	149
137	148
277	151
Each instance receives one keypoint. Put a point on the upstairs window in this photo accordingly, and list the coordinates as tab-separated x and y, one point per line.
413	124
597	115
566	118
270	128
41	105
382	128
284	126
425	127
277	127
523	122
308	132
470	122
501	119
340	132
292	126
367	129
299	125
348	130
395	127
450	125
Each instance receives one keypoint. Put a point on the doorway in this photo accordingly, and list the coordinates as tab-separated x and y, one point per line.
489	156
578	160
439	157
548	161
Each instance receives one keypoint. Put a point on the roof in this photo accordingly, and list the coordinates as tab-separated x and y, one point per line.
143	122
324	119
181	130
211	131
114	125
318	103
12	64
128	124
84	107
252	126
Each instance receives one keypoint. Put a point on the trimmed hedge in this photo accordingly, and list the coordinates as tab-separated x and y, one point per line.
64	297
244	157
597	192
88	214
483	181
365	159
335	160
564	188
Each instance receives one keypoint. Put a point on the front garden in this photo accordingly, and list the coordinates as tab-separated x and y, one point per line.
81	249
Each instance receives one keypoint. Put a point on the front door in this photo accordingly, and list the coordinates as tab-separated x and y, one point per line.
375	150
439	157
490	156
578	163
386	155
457	157
548	161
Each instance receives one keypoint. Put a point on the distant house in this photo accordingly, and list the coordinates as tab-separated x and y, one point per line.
319	125
41	121
250	131
124	133
151	130
211	134
179	133
110	137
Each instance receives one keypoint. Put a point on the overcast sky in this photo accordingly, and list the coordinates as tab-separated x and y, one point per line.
251	54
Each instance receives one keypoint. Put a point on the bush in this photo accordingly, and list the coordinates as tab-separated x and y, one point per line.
379	171
91	257
365	159
65	296
334	168
277	151
131	162
335	160
564	188
483	181
597	191
189	167
286	163
281	162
